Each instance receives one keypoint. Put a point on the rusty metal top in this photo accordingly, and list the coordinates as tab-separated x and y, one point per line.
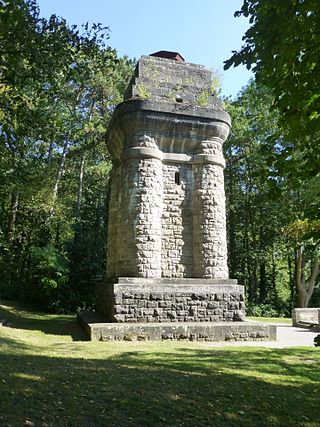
175	56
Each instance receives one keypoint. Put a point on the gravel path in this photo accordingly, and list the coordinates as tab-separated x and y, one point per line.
287	336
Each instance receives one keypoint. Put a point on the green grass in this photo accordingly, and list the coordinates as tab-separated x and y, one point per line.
49	376
285	320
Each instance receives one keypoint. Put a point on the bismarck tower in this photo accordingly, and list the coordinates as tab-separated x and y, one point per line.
167	210
167	251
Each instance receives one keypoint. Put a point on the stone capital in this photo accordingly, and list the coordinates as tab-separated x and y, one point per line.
142	153
209	159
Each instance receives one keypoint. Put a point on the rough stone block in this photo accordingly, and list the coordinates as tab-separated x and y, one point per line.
183	303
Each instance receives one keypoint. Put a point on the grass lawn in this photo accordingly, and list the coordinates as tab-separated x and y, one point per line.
50	376
284	320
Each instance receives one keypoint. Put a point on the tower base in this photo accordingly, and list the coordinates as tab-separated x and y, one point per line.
132	300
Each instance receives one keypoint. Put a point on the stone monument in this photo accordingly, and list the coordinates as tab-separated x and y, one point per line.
167	249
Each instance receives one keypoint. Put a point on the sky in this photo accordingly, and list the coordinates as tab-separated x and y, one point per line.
202	31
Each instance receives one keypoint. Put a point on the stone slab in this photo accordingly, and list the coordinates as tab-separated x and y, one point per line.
98	330
181	285
174	281
306	316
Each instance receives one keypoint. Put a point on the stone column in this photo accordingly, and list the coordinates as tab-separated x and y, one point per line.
209	220
141	210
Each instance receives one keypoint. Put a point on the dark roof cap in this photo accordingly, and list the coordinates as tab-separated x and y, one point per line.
175	56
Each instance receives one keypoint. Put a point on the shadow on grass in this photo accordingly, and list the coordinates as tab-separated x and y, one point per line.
185	387
17	318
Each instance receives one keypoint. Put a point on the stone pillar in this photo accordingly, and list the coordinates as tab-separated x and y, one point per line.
209	220
139	252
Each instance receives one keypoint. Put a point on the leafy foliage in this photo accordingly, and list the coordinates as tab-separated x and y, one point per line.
59	85
257	252
282	48
270	215
49	274
261	310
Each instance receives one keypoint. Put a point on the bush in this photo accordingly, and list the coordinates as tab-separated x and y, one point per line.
49	277
262	310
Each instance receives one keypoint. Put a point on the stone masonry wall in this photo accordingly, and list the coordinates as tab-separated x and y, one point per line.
177	307
167	207
167	220
209	241
177	221
163	79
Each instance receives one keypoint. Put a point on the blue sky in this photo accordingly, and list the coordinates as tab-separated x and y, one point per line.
203	31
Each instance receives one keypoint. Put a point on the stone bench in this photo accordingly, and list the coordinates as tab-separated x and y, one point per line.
306	317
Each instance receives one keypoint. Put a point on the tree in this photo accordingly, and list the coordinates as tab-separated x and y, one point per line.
258	251
59	85
282	48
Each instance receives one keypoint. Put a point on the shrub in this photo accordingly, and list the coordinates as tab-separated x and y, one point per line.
261	310
49	277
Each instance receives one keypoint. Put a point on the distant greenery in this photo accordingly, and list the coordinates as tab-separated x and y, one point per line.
261	310
273	221
59	84
281	48
50	377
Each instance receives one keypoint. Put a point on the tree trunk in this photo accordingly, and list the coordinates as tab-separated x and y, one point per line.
80	185
13	215
305	287
50	151
312	279
300	277
59	175
291	275
263	291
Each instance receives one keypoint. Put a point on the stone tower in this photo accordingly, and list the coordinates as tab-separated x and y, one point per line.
167	250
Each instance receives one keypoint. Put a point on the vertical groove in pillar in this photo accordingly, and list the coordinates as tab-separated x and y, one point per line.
113	222
128	203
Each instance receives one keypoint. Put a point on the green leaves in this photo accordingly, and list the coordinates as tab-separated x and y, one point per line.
58	87
273	200
282	48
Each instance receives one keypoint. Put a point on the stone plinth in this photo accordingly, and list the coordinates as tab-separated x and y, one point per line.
171	300
97	329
